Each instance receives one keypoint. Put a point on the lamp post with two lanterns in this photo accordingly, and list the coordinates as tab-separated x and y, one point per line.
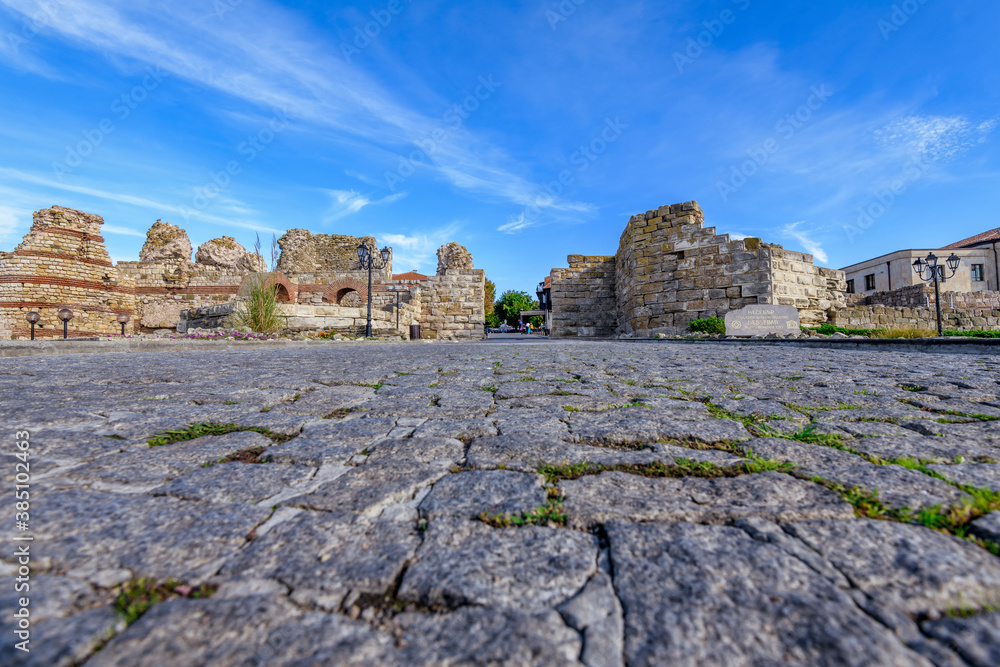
369	260
935	273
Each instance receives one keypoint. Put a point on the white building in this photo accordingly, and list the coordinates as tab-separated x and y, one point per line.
978	270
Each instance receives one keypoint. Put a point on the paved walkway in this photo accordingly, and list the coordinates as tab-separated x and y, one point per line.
505	504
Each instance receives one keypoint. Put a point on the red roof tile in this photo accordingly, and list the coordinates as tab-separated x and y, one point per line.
992	235
411	275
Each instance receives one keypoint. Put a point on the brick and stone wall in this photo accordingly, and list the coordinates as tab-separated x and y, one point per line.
583	297
62	263
922	296
670	269
888	317
453	301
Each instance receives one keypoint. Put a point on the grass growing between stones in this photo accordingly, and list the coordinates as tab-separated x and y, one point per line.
340	413
137	596
680	468
549	514
953	520
248	455
201	429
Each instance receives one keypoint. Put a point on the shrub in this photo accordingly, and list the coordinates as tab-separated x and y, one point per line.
904	332
974	333
712	325
259	309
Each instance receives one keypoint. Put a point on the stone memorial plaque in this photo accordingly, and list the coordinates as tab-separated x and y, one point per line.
762	319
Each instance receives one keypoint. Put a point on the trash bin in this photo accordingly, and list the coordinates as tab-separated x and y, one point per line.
414	332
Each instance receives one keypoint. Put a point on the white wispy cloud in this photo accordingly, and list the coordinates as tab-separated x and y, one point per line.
12	220
736	236
418	252
122	231
346	202
268	56
27	177
811	246
515	225
936	137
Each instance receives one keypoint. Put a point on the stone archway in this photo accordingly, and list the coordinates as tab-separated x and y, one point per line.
342	289
286	290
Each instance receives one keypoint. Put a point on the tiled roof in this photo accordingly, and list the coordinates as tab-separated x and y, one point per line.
992	235
411	275
548	282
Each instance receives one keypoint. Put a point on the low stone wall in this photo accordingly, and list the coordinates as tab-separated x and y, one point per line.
583	297
922	296
886	317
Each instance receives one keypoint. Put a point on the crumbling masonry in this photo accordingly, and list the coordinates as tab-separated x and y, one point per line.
63	263
669	270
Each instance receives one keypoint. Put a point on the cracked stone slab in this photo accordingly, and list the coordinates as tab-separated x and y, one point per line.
979	475
242	631
712	595
468	494
894	485
981	433
459	429
487	636
987	527
526	451
924	448
537	422
235	482
328	441
152	537
154	465
593	500
531	568
325	400
424	450
644	425
596	613
976	638
906	569
65	641
324	554
365	491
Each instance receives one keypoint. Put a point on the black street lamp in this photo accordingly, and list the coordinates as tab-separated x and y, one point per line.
369	261
935	273
32	318
122	320
65	314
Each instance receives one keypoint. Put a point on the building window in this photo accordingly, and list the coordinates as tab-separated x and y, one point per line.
870	282
977	272
850	286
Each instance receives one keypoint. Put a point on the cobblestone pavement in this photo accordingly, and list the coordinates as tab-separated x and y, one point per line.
506	503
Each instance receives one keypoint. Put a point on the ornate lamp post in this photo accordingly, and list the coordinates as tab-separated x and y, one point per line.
65	314
935	273
122	320
370	261
32	318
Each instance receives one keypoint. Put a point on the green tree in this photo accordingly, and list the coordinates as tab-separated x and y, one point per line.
510	304
490	299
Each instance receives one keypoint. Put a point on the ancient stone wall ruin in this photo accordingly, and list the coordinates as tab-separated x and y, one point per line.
62	262
888	317
670	269
583	297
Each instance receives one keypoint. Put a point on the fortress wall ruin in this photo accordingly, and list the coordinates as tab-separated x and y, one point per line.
670	270
63	262
583	297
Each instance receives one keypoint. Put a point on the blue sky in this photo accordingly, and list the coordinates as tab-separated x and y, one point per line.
526	131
